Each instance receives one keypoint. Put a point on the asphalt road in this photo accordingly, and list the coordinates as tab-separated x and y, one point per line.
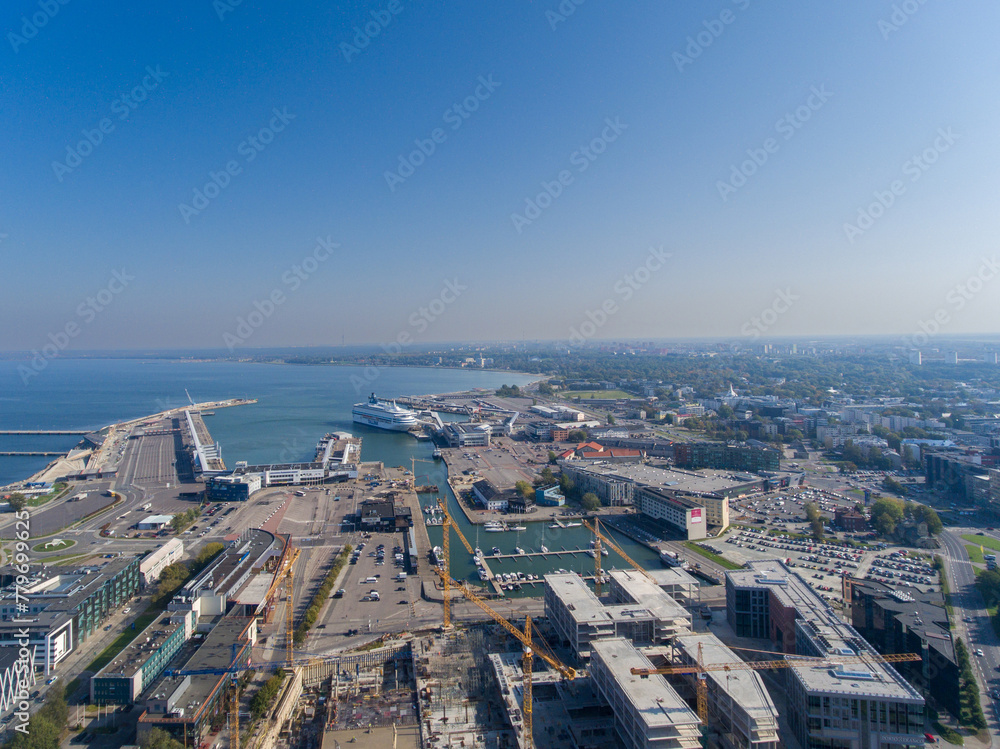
978	631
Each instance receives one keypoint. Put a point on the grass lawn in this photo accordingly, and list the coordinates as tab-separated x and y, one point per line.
57	489
721	561
587	394
121	642
949	734
985	541
975	555
50	546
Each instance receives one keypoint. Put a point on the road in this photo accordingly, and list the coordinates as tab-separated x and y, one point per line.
978	630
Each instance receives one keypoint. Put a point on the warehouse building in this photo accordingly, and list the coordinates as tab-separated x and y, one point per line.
649	714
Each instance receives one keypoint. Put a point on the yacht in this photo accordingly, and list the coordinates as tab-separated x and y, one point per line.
384	415
483	574
518	550
517	528
494	527
437	453
496	551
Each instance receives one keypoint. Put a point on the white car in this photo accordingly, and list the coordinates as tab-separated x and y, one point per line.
979	652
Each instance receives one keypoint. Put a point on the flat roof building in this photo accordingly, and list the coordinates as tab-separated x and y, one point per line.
185	706
649	714
639	611
134	668
830	706
155	562
738	703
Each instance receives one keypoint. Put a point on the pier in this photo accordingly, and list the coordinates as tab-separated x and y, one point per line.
543	554
31	454
44	431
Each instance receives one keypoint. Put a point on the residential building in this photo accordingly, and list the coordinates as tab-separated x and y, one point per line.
726	457
649	714
156	561
580	618
739	707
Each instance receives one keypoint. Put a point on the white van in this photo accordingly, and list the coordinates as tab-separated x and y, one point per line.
373	594
371	580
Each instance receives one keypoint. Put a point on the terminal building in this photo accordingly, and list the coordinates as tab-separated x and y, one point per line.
640	611
468	434
855	704
65	608
649	714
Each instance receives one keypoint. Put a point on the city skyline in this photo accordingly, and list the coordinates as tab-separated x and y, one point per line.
239	176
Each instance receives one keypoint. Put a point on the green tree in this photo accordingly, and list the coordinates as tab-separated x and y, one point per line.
611	420
577	435
524	489
566	484
886	514
815	520
725	411
545	388
545	477
930	516
160	739
590	502
17	501
553	458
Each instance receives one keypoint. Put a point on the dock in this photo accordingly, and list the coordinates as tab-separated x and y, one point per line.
543	554
42	431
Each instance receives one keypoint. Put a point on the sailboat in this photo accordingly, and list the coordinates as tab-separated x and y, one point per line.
479	552
544	549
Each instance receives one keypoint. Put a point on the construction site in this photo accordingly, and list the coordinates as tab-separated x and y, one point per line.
631	662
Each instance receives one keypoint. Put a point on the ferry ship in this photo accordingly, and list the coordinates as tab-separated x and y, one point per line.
384	415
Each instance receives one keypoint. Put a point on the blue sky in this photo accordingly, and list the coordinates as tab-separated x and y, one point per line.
696	89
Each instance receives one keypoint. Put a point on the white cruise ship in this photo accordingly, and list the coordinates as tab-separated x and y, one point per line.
384	415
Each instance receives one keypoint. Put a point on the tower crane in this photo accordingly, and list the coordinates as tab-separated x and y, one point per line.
445	547
533	646
601	538
700	668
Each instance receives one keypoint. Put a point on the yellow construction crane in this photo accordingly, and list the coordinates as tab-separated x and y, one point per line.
530	650
700	669
446	551
600	538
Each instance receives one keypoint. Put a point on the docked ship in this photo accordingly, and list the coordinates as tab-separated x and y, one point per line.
384	415
494	527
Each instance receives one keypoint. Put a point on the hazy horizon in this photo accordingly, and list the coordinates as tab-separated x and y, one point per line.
244	176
